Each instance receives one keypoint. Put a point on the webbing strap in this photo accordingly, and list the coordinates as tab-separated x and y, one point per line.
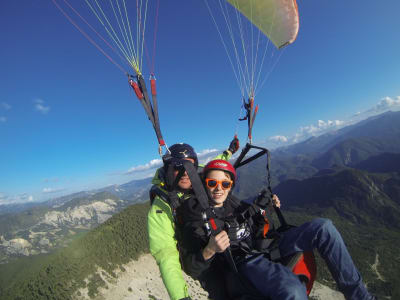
150	109
239	162
155	112
252	122
170	197
144	98
197	185
246	149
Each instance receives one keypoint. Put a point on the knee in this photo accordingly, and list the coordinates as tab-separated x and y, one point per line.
296	291
325	226
323	223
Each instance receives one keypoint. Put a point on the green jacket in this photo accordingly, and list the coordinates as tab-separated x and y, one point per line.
163	243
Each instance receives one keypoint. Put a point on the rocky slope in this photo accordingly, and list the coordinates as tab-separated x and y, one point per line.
141	280
56	226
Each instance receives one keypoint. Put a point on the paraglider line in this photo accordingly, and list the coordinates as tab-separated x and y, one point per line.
88	37
225	47
92	28
113	35
155	38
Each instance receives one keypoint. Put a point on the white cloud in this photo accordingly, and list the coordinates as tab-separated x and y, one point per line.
25	197
279	139
206	152
155	163
3	198
49	190
5	106
40	106
21	198
206	155
385	104
321	126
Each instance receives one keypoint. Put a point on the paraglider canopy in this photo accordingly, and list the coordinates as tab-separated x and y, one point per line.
277	19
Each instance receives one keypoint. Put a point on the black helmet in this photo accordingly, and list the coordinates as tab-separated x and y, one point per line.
182	150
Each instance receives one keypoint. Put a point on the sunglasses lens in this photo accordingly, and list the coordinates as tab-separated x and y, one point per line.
212	183
226	184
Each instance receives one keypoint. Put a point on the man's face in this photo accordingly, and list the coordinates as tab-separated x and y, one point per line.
184	182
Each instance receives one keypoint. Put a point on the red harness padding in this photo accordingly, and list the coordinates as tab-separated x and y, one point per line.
303	265
136	88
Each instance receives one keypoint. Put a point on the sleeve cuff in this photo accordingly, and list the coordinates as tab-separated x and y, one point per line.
228	153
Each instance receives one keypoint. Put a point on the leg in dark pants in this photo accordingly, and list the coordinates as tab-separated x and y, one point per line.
322	235
273	280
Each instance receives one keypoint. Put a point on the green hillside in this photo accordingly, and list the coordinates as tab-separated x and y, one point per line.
58	275
352	151
124	237
355	195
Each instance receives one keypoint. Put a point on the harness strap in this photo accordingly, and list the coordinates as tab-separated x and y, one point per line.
197	185
170	197
157	191
246	149
151	109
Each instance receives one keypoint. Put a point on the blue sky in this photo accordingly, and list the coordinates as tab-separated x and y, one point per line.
69	121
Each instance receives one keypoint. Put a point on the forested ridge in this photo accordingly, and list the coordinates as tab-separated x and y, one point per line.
119	240
124	238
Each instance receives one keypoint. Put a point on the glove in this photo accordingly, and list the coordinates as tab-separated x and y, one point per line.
264	199
168	160
234	145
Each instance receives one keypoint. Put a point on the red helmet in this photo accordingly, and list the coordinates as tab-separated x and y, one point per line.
222	165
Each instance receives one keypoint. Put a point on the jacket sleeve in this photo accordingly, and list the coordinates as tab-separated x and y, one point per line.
163	247
192	252
226	155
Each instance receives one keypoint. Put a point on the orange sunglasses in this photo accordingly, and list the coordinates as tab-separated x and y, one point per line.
225	184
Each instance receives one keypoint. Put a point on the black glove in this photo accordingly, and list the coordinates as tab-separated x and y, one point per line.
264	199
168	160
234	145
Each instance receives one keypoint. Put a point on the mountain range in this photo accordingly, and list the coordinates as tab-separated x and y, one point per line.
52	224
351	176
